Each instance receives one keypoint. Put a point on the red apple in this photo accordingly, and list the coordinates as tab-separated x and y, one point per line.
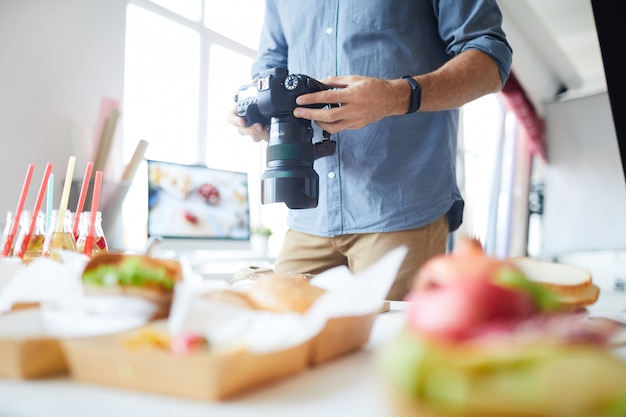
456	310
467	261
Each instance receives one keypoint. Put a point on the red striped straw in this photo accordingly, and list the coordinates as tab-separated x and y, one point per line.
18	212
81	199
33	221
94	211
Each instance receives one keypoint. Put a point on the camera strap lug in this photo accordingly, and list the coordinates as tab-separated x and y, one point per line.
325	147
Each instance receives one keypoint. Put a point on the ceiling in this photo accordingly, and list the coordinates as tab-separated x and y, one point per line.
555	48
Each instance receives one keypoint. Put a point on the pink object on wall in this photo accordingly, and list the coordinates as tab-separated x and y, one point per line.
516	100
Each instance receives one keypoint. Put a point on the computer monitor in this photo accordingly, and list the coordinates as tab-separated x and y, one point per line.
194	207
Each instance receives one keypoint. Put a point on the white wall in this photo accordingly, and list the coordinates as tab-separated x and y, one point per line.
585	193
58	58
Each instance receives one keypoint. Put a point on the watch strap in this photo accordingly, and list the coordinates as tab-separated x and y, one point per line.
416	94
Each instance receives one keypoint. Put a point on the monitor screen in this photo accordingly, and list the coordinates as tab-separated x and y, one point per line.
197	202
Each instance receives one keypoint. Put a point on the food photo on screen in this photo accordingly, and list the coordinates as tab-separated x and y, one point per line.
195	201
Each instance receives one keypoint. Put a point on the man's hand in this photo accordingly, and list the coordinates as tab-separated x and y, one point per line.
257	131
364	100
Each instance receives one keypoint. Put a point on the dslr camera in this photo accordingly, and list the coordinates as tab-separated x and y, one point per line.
289	176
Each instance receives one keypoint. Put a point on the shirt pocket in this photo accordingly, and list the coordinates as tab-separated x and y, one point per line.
380	15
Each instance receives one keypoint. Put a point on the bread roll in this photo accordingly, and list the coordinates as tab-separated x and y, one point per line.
284	293
231	297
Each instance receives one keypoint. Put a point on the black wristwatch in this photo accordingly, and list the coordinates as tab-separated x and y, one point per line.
416	94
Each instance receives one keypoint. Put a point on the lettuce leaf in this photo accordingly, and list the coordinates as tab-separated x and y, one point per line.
131	272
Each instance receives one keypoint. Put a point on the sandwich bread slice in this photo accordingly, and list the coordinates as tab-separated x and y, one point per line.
573	285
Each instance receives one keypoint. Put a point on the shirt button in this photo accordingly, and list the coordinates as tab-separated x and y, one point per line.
329	31
331	175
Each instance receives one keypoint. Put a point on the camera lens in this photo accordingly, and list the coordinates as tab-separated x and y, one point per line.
297	188
289	176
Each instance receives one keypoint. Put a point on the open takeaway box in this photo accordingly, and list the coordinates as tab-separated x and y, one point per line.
43	303
238	349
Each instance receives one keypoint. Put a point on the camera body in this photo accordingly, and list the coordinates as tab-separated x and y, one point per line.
289	177
274	94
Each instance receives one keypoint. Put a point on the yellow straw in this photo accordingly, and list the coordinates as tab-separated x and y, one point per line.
65	196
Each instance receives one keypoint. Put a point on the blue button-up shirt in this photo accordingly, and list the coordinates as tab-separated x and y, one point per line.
397	173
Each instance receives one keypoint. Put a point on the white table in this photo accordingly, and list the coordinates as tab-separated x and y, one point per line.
347	386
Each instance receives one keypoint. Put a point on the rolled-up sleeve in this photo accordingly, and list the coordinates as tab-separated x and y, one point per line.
477	24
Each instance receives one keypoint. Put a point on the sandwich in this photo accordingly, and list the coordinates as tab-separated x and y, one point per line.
282	294
564	286
133	275
270	292
572	285
482	339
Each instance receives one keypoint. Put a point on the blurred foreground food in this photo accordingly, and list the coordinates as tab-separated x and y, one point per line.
482	339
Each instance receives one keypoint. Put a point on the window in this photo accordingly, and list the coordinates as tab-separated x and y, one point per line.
184	61
494	170
162	81
239	20
478	170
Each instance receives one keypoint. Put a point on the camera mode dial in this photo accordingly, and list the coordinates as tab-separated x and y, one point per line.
291	82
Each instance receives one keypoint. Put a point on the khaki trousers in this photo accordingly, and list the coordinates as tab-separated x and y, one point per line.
302	253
